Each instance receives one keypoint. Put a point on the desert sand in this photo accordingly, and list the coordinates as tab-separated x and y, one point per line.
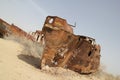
16	65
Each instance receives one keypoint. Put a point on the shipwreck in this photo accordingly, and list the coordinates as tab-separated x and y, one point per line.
62	48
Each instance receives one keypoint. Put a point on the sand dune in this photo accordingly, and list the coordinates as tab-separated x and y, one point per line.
16	65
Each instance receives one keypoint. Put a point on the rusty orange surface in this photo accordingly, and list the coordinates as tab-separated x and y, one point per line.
67	50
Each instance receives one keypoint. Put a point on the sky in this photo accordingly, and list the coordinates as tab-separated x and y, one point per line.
99	19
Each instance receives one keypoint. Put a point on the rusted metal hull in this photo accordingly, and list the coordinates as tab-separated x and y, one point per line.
74	52
62	48
7	29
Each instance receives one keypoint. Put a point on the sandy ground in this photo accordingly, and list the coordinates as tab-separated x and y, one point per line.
15	65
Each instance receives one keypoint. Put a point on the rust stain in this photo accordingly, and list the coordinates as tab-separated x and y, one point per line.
62	48
67	50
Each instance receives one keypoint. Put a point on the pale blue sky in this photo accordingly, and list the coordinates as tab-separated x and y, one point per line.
99	19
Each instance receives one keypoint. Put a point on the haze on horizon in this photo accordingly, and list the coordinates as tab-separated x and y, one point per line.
97	19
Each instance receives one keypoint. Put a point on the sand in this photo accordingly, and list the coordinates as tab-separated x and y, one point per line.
15	65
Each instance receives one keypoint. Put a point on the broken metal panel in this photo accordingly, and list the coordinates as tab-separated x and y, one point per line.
64	49
38	37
